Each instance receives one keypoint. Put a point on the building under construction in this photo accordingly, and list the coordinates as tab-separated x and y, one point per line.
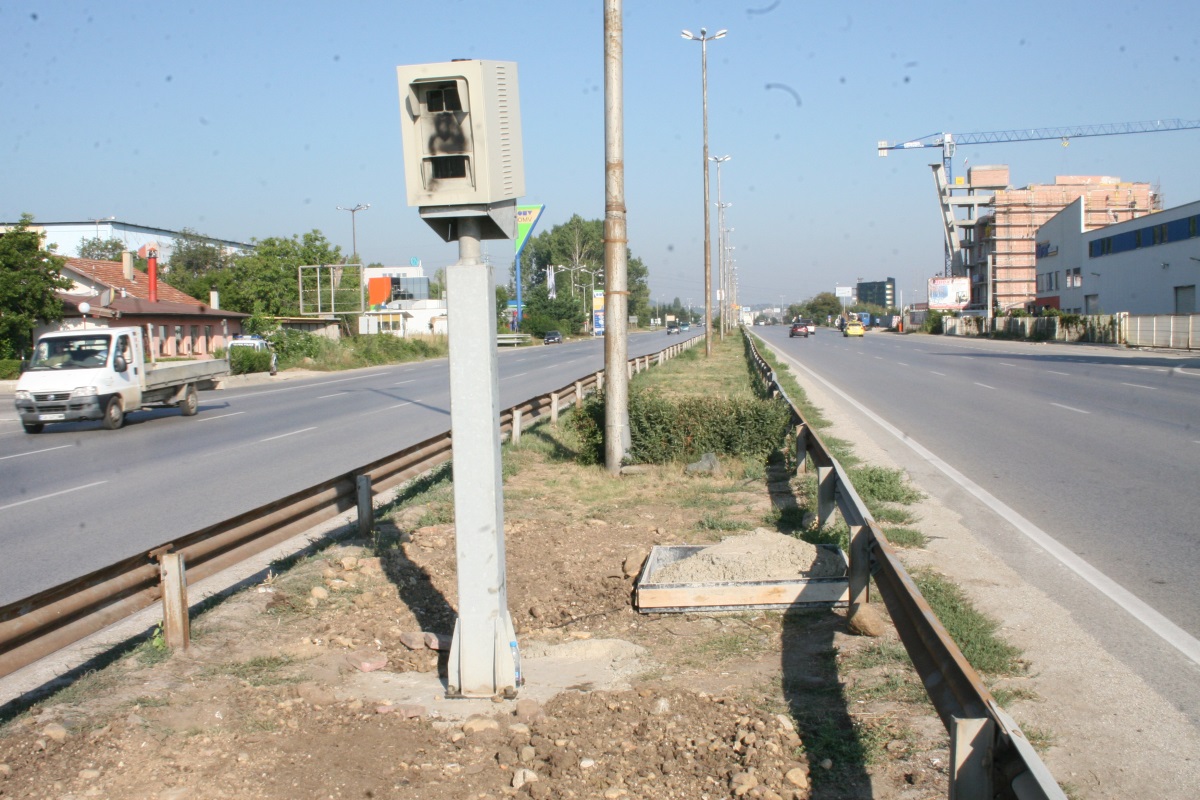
991	228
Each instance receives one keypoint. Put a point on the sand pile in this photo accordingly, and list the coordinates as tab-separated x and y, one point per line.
759	556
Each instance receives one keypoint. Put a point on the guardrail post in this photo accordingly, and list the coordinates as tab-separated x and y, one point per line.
801	449
600	381
860	567
516	424
629	370
554	408
366	506
176	623
826	493
578	395
971	743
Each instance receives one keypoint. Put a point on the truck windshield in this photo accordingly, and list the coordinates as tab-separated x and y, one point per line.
86	351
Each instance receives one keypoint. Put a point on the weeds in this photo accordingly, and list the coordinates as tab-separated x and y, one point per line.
973	631
906	537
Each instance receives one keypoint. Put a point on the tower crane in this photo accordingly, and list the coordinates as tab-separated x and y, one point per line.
948	142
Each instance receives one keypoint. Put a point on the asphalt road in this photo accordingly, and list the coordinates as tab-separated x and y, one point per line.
1098	448
77	497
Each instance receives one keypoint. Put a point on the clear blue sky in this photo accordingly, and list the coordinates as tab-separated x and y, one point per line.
256	119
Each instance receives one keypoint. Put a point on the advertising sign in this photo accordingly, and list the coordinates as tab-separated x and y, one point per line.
843	291
949	294
598	312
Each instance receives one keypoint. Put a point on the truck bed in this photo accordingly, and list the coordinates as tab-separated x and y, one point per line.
177	373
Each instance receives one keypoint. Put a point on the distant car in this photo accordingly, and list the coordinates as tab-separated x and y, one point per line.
672	327
798	329
552	337
254	342
684	326
808	323
853	327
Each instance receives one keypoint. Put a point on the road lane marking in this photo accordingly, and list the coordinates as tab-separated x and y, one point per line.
1005	364
401	383
335	394
901	363
1056	372
35	452
984	385
206	417
1139	386
52	494
305	386
1168	631
1071	408
935	372
388	408
282	435
518	375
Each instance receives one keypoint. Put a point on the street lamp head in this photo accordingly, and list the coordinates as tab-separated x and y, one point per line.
688	34
720	34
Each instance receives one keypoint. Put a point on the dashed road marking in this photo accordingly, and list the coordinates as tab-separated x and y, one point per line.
52	494
282	435
1071	408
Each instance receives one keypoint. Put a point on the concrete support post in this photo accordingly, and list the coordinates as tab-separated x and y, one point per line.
176	623
616	245
483	654
971	756
554	408
826	494
366	505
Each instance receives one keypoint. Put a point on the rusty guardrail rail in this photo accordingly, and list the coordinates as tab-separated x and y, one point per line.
990	756
36	626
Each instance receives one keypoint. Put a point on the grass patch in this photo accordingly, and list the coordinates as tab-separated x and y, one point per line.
1007	695
883	485
258	671
1041	739
847	745
890	515
974	632
905	537
711	522
882	653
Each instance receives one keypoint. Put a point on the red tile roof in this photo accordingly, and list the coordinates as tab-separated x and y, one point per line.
137	291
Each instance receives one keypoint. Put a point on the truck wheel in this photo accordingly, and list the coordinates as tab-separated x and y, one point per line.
34	427
190	403
114	415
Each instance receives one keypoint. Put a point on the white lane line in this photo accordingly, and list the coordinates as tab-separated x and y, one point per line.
1056	372
401	383
1139	386
35	452
1168	631
901	363
984	385
282	435
518	375
1071	408
388	408
935	372
206	417
335	394
879	358
52	494
1005	364
1182	371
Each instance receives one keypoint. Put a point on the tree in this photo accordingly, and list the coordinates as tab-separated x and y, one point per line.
265	280
29	279
196	265
99	249
823	305
542	313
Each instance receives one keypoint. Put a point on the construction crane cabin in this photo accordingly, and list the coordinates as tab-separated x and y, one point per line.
944	181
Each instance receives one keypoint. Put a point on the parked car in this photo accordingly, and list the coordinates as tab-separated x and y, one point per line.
798	329
552	337
253	342
672	327
853	327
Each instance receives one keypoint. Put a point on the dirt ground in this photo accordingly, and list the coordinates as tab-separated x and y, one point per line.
317	682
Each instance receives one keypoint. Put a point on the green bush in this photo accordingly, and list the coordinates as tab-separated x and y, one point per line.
665	429
933	322
10	369
243	360
292	345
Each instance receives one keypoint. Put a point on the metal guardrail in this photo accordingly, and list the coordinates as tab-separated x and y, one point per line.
54	618
512	338
990	756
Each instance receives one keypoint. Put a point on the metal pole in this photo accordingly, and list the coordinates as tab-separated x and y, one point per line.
616	295
707	233
483	655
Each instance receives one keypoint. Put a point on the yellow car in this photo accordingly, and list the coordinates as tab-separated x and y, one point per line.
853	328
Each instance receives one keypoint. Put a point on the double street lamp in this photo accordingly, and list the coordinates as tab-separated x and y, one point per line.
704	39
354	227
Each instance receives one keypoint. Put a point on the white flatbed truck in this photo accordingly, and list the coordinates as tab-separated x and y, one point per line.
101	374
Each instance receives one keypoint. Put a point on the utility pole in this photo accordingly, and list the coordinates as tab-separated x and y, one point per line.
704	39
616	294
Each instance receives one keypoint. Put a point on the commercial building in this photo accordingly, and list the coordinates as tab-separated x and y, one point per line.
1149	265
399	303
998	235
879	293
66	237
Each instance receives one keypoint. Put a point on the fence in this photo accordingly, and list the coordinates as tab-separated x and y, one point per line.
57	617
1099	328
990	756
1178	331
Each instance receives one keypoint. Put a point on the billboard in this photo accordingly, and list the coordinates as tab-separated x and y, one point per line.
597	312
949	294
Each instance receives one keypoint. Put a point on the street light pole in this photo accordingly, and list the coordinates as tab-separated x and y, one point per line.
353	225
723	289
704	39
